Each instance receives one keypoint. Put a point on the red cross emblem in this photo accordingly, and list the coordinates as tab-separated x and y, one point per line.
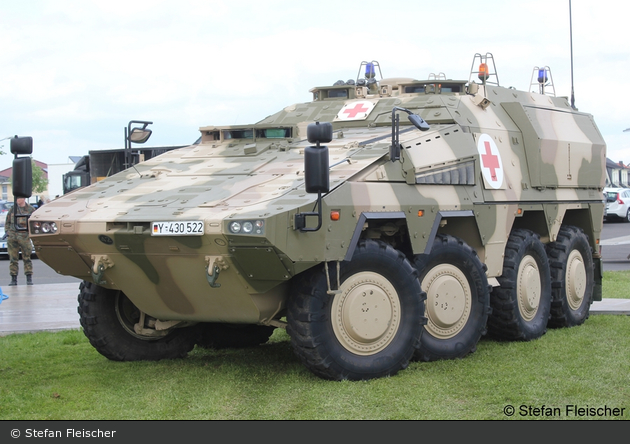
358	108
490	161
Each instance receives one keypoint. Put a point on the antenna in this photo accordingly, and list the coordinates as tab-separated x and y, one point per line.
571	41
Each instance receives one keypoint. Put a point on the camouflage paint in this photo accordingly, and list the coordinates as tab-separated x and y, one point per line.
551	161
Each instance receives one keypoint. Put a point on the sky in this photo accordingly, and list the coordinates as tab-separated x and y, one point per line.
74	73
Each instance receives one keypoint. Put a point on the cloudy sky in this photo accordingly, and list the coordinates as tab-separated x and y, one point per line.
74	73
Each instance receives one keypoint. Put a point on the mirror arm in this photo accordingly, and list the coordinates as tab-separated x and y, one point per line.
300	218
416	120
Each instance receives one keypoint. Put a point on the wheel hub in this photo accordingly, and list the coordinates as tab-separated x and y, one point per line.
529	288
448	300
575	280
366	314
133	320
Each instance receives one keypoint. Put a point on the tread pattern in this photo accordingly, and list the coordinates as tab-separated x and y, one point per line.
309	324
506	322
569	237
465	342
102	327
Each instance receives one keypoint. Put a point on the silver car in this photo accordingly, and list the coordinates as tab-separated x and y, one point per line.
617	203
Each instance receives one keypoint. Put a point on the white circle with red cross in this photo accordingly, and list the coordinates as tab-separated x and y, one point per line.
490	159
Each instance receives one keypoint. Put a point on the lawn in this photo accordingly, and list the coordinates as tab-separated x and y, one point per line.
59	376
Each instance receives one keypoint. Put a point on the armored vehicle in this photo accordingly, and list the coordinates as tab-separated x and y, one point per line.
374	239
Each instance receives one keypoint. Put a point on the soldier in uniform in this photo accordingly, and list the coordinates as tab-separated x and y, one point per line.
19	240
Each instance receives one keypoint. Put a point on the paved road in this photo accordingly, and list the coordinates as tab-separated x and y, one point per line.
616	246
42	274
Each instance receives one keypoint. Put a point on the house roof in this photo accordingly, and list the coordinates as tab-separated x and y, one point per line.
616	165
9	171
611	164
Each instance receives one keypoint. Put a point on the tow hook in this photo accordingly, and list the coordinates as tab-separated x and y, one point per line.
101	263
214	264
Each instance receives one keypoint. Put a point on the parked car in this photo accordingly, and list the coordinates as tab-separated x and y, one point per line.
3	240
5	206
617	203
4	209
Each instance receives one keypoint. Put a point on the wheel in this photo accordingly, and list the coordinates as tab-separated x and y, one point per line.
370	328
458	299
627	219
108	318
572	277
522	302
211	335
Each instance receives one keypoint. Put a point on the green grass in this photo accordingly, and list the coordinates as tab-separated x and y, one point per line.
59	376
616	284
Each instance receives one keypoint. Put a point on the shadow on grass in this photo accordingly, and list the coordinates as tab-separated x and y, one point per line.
274	357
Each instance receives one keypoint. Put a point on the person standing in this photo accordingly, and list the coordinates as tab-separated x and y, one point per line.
19	240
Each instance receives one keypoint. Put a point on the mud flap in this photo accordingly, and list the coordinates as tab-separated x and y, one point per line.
597	278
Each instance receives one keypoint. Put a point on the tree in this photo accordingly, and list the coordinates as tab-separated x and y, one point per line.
40	183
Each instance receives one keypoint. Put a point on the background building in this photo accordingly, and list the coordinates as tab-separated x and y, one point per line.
7	190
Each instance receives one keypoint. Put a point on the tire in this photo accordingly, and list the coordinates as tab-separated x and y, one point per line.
458	299
371	328
108	317
522	303
218	336
627	218
572	277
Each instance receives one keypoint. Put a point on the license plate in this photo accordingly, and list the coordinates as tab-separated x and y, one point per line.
182	228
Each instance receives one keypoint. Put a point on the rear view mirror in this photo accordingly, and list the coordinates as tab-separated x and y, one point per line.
316	177
22	176
139	135
21	145
418	122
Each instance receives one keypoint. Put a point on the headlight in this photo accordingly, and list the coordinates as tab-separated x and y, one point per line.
235	227
247	227
38	227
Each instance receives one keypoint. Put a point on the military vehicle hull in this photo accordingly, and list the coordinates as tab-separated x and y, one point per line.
496	208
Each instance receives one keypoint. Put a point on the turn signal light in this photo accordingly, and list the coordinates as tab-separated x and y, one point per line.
335	215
